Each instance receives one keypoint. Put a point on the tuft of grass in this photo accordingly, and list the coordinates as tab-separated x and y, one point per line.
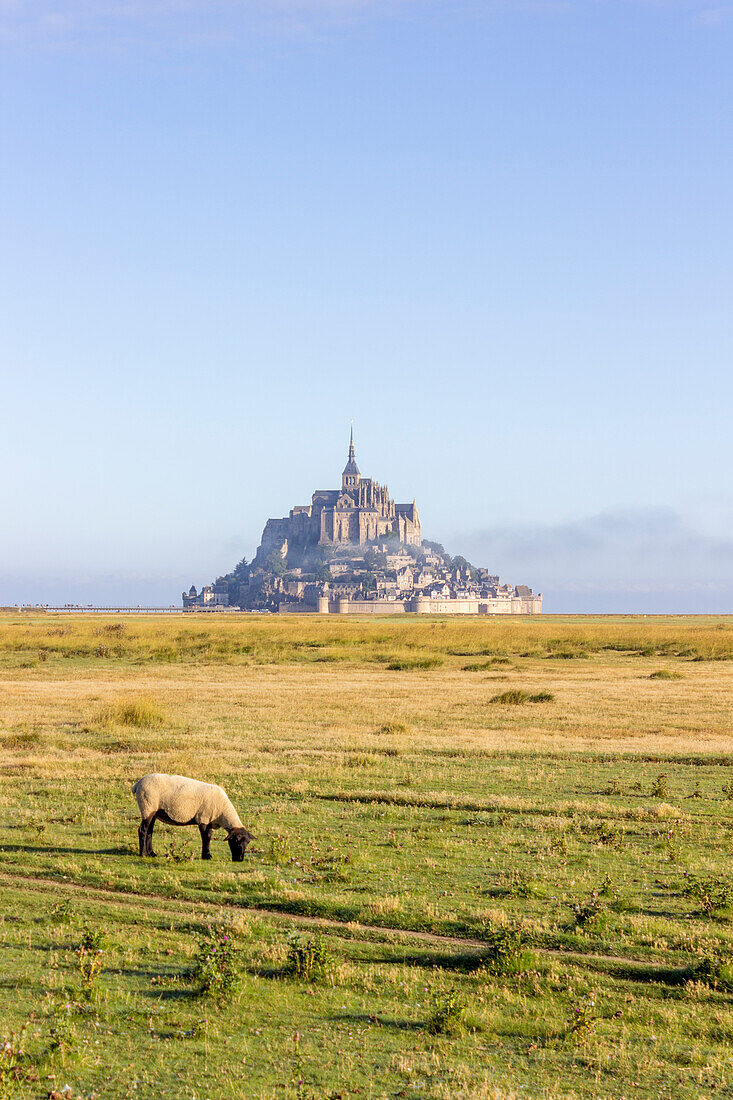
665	674
568	655
394	728
517	697
414	663
62	912
484	666
141	712
21	740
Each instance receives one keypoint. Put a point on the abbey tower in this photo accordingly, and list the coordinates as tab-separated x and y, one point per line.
360	511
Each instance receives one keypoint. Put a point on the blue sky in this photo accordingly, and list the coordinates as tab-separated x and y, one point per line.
498	235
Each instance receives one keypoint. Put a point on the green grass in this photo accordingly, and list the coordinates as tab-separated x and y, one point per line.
447	898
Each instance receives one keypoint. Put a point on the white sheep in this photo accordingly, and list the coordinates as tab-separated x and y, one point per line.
181	801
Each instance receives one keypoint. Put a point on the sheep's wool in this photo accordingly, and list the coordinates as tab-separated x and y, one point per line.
185	800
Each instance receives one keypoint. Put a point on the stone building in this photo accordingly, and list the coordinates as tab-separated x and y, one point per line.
360	511
211	596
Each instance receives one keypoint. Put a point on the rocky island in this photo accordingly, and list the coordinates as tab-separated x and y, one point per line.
353	550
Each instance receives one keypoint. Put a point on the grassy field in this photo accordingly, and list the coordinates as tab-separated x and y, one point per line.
492	858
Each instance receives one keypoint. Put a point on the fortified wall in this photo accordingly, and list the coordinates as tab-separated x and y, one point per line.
424	605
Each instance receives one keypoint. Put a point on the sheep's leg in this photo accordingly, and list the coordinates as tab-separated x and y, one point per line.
205	831
150	851
142	835
145	835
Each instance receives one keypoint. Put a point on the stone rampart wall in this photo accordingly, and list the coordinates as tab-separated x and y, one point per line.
422	605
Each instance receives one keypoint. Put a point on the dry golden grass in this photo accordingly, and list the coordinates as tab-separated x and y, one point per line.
239	710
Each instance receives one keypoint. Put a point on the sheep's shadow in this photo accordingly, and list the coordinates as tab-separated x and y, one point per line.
49	849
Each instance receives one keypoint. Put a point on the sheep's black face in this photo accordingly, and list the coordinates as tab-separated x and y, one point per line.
238	841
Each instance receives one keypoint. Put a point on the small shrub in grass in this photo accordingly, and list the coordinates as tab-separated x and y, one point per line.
62	1031
311	960
612	896
110	630
62	912
669	841
568	655
583	1018
713	894
590	915
505	952
216	963
131	712
92	939
89	957
14	1067
728	791
713	971
447	1015
609	834
22	740
660	786
520	885
333	866
355	759
665	674
279	849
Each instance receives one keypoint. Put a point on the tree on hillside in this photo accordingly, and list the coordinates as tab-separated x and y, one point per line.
275	563
459	562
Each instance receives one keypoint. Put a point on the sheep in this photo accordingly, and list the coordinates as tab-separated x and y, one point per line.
181	801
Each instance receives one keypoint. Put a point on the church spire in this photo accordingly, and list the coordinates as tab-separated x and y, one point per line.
351	475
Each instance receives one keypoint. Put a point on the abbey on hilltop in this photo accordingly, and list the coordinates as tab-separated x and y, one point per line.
360	511
353	550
